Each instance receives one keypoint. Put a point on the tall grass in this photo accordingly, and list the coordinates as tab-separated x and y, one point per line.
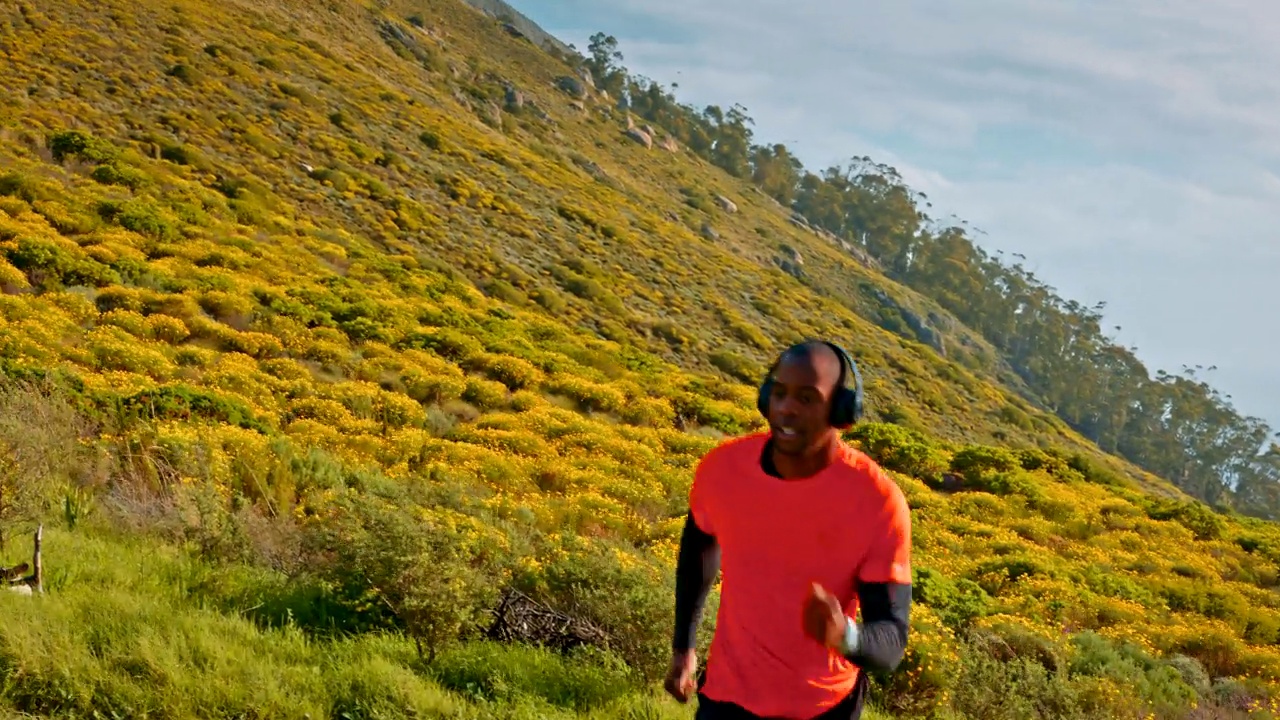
128	628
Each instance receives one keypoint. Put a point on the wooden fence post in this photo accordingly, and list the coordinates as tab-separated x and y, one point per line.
36	566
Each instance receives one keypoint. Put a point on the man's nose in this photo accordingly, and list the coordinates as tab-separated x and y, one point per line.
786	405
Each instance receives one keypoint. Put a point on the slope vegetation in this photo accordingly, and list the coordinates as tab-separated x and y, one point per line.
332	329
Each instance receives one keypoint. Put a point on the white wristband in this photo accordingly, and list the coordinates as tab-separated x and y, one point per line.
849	645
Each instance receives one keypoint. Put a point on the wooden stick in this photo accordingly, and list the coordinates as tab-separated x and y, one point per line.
37	567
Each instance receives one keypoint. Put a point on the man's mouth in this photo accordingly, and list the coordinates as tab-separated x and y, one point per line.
787	431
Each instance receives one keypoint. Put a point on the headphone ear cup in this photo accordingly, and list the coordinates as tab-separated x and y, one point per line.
762	398
846	404
843	408
858	397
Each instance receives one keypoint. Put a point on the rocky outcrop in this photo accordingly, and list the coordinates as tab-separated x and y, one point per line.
404	42
641	137
924	330
572	85
727	204
792	254
864	259
493	113
790	268
515	98
790	261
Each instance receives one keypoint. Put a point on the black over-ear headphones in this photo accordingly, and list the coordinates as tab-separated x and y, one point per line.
846	404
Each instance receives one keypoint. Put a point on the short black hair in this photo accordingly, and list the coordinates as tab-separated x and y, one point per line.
807	349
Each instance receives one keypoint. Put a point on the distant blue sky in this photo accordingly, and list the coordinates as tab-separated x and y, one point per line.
1131	149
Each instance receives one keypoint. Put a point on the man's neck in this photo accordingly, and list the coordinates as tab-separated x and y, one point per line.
796	467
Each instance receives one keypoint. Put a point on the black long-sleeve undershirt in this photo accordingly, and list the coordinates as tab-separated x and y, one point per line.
886	613
696	570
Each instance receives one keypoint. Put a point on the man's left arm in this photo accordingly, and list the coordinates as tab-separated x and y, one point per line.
883	586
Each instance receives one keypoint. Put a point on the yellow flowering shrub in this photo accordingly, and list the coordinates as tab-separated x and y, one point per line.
926	678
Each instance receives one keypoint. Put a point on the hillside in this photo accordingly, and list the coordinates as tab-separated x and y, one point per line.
325	326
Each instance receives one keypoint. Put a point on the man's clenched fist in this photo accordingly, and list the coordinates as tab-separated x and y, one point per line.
824	618
680	683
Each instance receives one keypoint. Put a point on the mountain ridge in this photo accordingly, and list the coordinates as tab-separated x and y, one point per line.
520	22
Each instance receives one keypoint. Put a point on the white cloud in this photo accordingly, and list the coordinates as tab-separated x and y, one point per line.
1130	149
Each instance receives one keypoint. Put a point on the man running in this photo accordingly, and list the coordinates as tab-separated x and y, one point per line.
810	531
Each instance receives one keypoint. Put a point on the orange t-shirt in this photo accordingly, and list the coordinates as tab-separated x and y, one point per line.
849	522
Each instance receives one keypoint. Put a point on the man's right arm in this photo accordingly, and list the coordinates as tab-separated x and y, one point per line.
696	569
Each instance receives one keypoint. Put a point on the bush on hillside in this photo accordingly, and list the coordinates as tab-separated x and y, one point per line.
900	449
1195	516
957	602
975	461
431	573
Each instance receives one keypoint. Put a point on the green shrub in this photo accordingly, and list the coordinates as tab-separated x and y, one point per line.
123	175
984	688
1157	686
82	145
426	574
1107	582
1003	483
1091	472
514	372
736	366
141	216
447	342
975	461
49	265
900	449
180	401
485	394
997	574
623	600
1050	461
1203	522
23	187
722	415
957	602
587	395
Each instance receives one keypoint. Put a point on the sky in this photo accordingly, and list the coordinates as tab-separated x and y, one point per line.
1129	149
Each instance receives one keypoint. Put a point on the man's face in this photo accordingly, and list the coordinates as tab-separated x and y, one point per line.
800	404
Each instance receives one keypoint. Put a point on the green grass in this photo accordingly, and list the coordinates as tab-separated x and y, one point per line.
129	628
